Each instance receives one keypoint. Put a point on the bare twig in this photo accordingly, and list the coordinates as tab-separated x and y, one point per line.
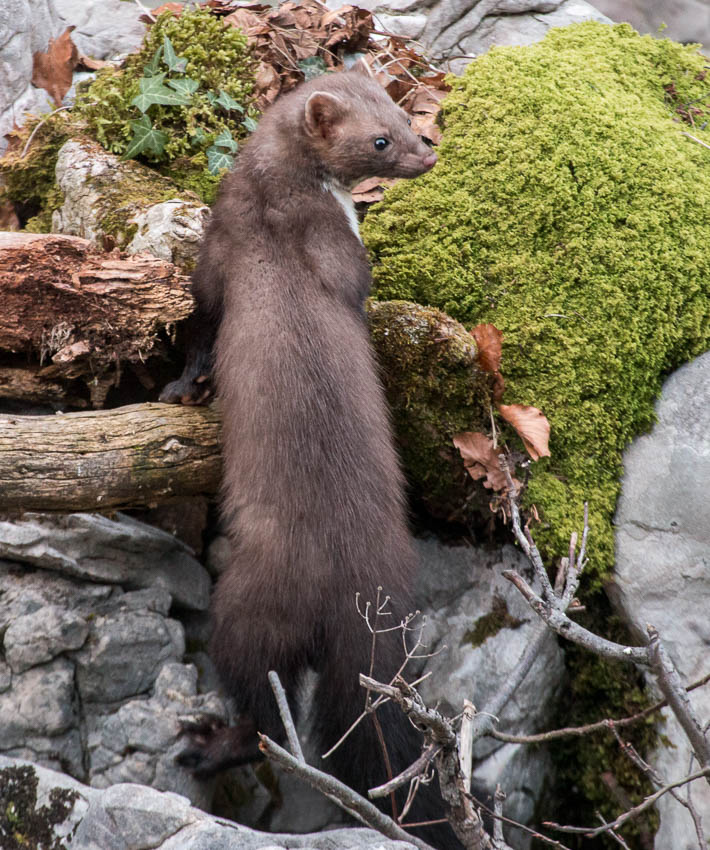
560	623
344	796
672	689
37	126
409	773
466	742
619	840
145	10
695	139
606	724
286	717
591	832
630	751
498	800
464	819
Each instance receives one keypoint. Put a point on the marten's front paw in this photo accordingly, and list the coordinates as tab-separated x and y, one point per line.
212	746
188	391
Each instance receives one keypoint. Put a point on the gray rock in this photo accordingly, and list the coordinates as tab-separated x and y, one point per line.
454	31
149	729
465	597
5	677
39	637
105	29
662	573
94	182
124	653
108	711
121	551
133	817
26	26
681	20
172	231
41	702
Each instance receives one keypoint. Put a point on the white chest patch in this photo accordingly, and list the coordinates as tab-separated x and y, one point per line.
345	199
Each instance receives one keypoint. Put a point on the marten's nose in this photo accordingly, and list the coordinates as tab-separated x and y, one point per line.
430	160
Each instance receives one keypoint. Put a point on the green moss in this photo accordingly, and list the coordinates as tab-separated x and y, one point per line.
434	390
601	688
569	210
491	623
217	57
29	180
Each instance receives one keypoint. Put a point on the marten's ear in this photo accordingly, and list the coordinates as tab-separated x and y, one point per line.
323	114
361	67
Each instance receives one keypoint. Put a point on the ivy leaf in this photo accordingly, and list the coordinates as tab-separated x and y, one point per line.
225	140
153	91
212	97
151	69
172	60
226	101
217	160
184	85
146	139
198	138
249	124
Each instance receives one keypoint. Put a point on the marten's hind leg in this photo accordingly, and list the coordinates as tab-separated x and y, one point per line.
244	647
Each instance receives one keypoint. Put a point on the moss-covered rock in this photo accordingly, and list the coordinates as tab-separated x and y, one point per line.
125	205
217	58
435	390
568	209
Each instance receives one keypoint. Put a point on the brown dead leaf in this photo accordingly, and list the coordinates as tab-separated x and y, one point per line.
481	459
531	425
490	349
371	190
425	125
53	69
88	63
249	23
336	16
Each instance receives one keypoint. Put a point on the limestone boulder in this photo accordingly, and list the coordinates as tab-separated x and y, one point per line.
662	573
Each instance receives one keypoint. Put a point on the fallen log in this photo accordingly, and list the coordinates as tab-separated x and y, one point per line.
141	455
84	313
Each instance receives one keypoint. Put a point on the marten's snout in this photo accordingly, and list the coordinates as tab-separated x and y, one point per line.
429	161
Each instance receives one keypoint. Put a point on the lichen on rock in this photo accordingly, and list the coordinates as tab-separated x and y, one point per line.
571	212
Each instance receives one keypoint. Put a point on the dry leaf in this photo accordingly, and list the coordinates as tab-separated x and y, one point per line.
489	341
176	8
372	189
481	459
532	426
52	70
91	64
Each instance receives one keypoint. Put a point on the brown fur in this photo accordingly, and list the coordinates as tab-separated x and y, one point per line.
312	494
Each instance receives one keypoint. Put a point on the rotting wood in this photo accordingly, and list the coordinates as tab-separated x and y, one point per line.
140	455
83	313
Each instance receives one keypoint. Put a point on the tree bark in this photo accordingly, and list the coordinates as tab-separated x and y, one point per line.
83	313
141	455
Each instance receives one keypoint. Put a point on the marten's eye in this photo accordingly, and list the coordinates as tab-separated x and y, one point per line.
381	143
409	122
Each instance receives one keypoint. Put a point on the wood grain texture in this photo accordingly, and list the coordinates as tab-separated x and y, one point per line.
83	312
141	455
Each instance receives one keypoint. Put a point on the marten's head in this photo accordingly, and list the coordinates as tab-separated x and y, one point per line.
357	130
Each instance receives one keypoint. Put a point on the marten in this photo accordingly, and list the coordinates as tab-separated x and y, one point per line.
312	495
